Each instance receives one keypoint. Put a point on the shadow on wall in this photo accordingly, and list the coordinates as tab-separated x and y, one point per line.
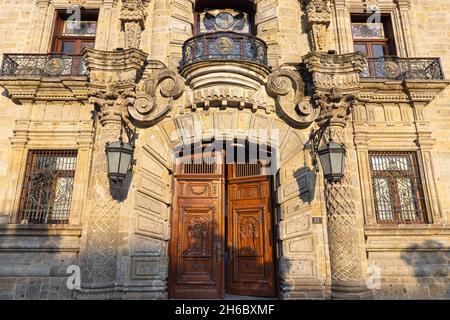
119	190
306	180
430	261
32	264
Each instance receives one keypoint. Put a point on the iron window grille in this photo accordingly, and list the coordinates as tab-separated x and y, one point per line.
397	188
48	186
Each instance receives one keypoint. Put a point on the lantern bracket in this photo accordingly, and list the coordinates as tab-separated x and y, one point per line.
313	142
131	133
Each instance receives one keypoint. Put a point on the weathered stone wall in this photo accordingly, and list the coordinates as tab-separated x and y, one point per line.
430	25
413	260
34	262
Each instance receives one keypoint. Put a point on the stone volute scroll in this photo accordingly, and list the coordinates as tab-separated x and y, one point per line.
156	96
288	89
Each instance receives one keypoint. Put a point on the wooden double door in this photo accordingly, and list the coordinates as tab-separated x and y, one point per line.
222	232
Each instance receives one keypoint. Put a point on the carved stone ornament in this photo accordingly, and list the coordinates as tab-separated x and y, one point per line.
371	5
157	96
80	3
318	14
334	106
288	89
132	16
111	104
318	10
133	9
132	34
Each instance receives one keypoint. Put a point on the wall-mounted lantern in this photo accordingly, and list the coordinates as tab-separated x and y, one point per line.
332	158
119	155
331	155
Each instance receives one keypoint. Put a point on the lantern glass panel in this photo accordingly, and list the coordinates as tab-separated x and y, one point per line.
337	162
113	160
125	160
332	157
119	156
325	162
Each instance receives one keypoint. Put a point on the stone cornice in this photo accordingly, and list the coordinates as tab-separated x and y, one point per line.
46	89
61	133
380	91
39	230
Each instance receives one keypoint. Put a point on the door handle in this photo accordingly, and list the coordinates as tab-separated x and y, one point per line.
219	251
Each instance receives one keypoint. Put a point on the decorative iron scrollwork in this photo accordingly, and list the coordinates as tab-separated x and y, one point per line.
44	65
224	45
396	68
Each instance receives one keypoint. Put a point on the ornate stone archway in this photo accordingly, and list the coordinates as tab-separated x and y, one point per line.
153	179
125	245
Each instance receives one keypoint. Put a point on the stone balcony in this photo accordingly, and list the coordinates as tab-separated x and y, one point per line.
224	68
392	79
395	68
52	76
43	65
221	46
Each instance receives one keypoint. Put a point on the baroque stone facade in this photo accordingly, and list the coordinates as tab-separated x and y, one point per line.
302	74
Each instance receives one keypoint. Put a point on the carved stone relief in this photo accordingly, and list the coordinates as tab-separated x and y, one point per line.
288	89
132	16
156	97
318	14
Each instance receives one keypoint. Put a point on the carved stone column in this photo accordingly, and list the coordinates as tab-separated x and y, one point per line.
340	73
112	81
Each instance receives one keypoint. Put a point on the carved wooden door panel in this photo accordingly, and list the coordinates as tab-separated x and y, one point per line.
196	268
250	248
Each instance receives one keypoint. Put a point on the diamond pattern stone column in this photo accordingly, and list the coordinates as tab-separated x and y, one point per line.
343	234
336	84
113	77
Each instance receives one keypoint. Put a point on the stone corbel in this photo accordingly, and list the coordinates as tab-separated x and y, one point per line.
156	97
318	14
132	17
288	89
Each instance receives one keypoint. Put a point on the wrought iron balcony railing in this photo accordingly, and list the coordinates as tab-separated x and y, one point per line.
224	46
395	68
44	65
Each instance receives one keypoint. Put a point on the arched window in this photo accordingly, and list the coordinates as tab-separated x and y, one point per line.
224	16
